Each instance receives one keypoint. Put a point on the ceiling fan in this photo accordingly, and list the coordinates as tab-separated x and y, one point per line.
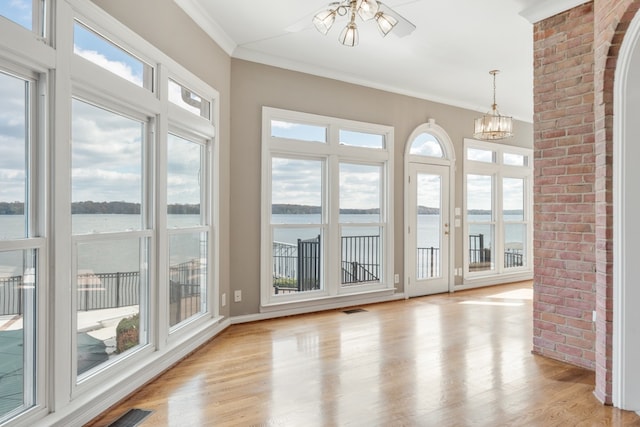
386	19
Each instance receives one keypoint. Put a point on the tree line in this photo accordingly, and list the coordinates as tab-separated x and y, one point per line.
91	207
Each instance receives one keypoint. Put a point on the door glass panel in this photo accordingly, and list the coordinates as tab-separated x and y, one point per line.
429	225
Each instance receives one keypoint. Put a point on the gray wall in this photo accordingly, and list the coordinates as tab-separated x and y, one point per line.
254	86
246	87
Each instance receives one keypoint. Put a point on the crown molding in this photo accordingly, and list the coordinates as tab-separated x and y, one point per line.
543	9
203	18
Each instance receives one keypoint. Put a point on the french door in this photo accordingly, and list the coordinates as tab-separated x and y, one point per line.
429	230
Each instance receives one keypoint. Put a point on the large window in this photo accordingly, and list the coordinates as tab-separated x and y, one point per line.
20	246
498	214
326	207
111	234
107	211
187	227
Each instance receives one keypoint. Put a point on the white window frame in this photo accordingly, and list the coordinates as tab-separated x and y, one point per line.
59	399
332	153
498	170
34	328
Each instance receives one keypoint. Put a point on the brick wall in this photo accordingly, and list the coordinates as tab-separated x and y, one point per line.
564	188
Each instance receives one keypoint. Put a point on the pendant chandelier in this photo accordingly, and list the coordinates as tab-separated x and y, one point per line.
365	9
492	125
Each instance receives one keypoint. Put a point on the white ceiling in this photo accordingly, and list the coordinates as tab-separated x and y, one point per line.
446	59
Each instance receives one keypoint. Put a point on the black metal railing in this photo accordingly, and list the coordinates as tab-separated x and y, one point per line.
360	259
11	289
513	258
428	263
185	289
108	290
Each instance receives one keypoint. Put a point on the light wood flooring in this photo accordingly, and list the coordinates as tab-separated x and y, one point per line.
460	359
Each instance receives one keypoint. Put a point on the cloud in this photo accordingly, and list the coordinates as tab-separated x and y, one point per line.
117	67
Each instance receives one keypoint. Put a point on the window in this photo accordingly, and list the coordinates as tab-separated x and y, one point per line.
20	246
317	248
188	228
426	144
189	100
117	180
498	217
27	13
112	240
97	49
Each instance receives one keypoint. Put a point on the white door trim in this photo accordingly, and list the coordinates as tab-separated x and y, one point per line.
448	159
626	174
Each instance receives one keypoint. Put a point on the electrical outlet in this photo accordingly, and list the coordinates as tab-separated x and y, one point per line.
223	301
396	278
237	296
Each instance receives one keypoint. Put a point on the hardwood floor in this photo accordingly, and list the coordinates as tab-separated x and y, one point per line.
447	360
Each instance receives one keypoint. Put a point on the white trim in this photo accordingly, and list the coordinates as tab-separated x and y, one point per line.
497	170
330	154
626	130
448	160
203	18
543	9
320	305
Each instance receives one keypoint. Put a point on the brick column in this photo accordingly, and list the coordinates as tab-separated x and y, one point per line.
564	188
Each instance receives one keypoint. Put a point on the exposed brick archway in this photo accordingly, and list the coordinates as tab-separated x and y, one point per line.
576	53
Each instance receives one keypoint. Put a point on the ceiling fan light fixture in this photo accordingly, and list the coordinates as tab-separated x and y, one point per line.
493	126
323	21
385	23
367	9
349	35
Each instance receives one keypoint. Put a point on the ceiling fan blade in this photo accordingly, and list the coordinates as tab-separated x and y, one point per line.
404	27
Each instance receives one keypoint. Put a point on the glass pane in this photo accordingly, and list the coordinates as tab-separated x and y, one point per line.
111	300
106	174
13	156
479	197
429	222
513	199
514	159
189	100
95	48
426	144
480	247
296	191
187	276
297	260
19	11
302	132
515	245
361	260
360	188
361	139
184	191
17	330
479	155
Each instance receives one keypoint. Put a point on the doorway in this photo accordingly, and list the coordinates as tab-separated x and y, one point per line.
626	227
429	230
429	244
